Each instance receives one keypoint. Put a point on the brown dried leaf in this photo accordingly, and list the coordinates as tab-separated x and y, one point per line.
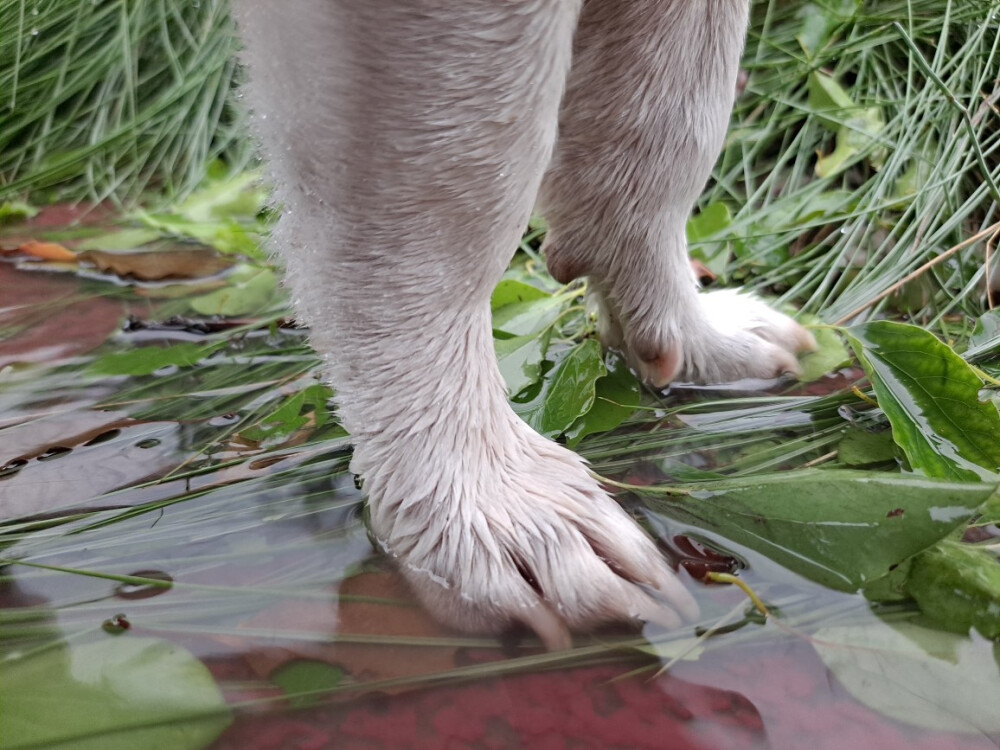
185	263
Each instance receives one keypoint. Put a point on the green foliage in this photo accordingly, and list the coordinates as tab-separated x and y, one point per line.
931	397
839	528
116	98
112	694
959	586
567	393
863	147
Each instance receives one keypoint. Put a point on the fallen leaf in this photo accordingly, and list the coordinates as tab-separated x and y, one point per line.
152	266
47	251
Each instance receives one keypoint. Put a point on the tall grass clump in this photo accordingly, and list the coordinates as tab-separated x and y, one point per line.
115	98
908	92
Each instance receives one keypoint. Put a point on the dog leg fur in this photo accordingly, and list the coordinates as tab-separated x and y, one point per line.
642	122
407	141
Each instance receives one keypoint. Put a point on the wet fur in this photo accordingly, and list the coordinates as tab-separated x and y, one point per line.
408	140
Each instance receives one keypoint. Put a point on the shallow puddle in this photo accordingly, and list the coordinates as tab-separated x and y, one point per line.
145	521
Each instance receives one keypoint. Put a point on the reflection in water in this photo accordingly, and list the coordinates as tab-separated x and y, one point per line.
146	508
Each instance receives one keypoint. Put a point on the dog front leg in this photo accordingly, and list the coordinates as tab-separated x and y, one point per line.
642	123
407	140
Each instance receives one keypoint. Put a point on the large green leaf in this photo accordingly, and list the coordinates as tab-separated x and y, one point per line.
916	675
839	528
616	397
566	392
930	396
115	694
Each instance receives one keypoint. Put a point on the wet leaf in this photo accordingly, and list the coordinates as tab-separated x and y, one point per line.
148	359
115	694
616	397
250	290
930	396
958	585
566	392
154	265
915	675
836	527
520	359
47	251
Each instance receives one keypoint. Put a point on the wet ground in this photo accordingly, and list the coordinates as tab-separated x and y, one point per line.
147	507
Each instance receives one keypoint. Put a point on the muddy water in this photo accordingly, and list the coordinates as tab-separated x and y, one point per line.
137	508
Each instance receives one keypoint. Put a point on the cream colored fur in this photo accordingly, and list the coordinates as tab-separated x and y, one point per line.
408	140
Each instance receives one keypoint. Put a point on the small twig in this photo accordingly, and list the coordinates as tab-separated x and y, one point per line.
742	585
820	460
863	396
991	231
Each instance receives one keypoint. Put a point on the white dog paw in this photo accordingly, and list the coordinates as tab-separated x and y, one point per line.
718	337
524	535
742	337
